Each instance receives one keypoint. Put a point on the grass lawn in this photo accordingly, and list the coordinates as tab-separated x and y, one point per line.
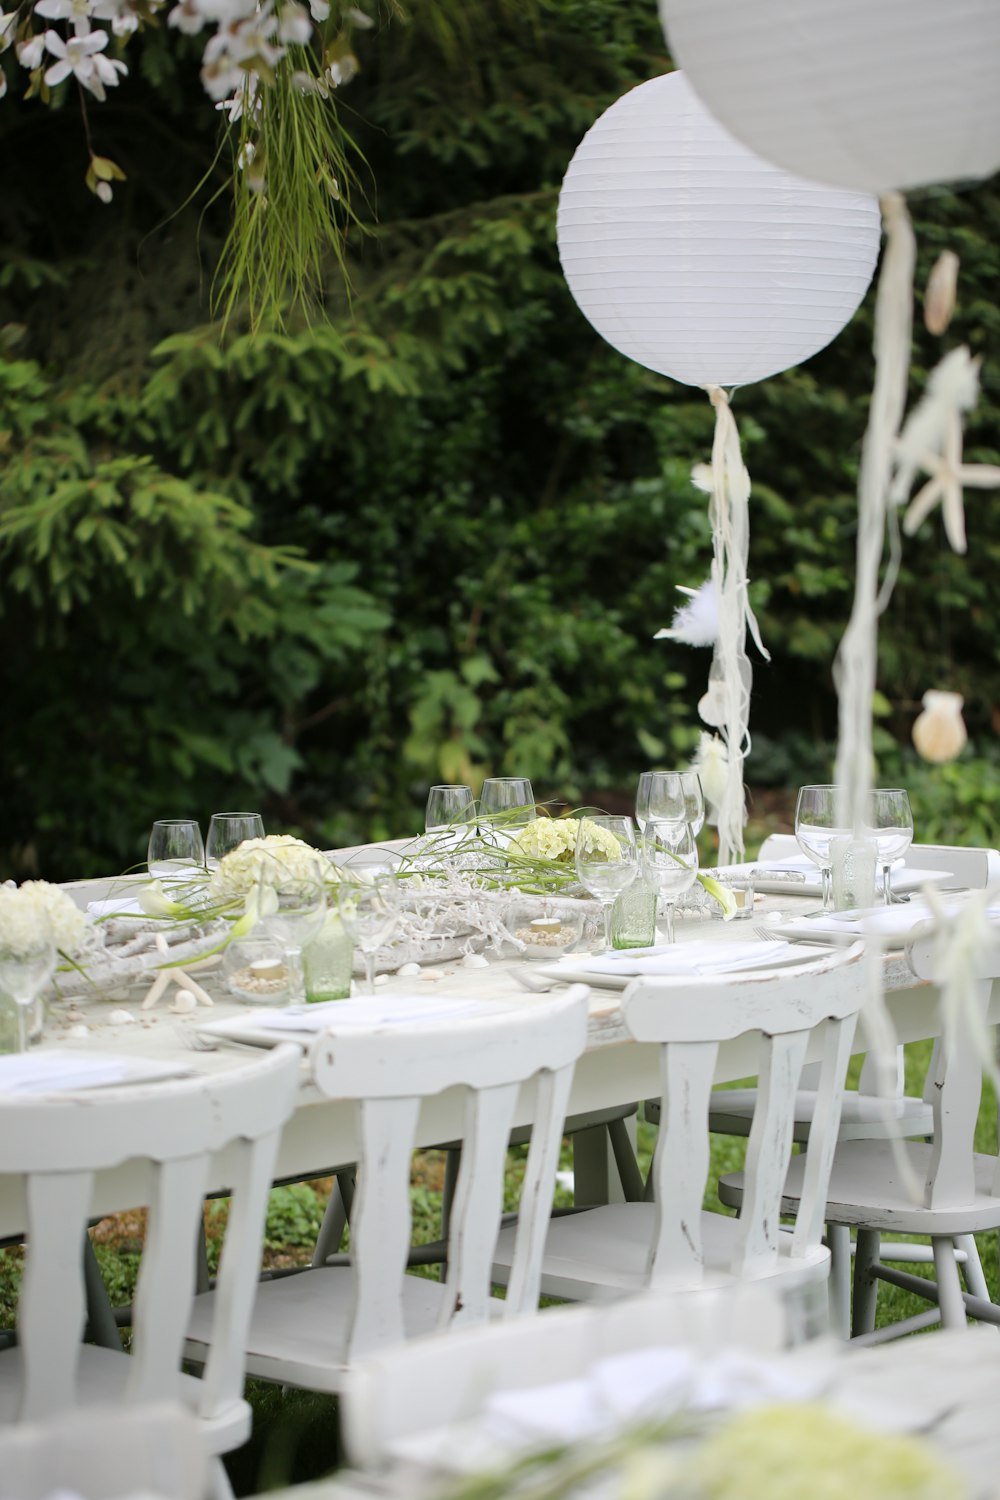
295	1433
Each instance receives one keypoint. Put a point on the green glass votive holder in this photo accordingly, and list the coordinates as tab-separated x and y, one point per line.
633	917
328	961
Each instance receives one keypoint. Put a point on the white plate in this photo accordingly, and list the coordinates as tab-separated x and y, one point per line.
69	1070
269	1026
797	953
778	878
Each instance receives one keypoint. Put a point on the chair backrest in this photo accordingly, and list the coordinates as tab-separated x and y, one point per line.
103	1453
405	1394
388	1071
963	964
782	1009
57	1143
974	868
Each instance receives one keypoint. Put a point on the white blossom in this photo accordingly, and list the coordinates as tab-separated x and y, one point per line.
103	191
187	18
294	25
77	11
342	69
77	56
358	18
3	83
8	21
319	10
30	53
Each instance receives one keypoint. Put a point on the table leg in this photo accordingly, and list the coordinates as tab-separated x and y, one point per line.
595	1174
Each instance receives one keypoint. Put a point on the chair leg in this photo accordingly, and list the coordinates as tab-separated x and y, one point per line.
338	1211
452	1167
950	1298
202	1277
101	1324
865	1284
839	1239
628	1168
219	1487
975	1280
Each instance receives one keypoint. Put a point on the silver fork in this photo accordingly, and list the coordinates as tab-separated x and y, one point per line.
193	1041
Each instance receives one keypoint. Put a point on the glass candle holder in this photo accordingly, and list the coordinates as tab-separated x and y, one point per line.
633	917
740	886
328	961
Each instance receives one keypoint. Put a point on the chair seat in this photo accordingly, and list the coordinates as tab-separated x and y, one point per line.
602	1253
103	1375
866	1188
862	1117
299	1330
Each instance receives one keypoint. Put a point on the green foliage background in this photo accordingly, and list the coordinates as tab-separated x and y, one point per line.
433	538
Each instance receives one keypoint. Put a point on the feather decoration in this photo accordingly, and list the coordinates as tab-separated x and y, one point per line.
696	621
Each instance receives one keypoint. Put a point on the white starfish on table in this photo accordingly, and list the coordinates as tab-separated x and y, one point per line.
180	977
931	440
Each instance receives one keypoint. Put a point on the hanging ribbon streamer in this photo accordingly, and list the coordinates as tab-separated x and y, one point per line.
855	669
731	675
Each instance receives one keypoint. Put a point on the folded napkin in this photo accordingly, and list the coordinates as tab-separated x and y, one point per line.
115	906
649	1383
53	1071
685	958
393	1010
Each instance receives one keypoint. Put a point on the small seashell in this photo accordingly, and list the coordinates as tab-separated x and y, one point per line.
75	1015
121	1017
381	979
475	961
939	733
184	1003
78	1032
408	971
942	290
431	974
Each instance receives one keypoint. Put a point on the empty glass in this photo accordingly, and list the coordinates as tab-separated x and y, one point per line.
890	823
25	969
228	830
447	805
669	862
176	850
507	799
816	827
369	911
604	872
671	795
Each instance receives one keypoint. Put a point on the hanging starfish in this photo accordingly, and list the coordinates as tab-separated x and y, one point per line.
932	440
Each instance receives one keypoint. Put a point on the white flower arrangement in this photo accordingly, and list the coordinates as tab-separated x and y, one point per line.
30	911
557	838
279	858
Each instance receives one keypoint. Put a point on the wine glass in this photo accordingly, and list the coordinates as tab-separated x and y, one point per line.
671	795
890	823
508	799
448	805
227	831
176	850
816	828
26	966
292	904
606	861
669	862
369	911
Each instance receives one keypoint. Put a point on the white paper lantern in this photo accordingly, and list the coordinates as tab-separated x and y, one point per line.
868	94
697	259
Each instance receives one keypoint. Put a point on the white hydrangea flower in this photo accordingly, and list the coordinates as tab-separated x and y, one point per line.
68	923
279	857
556	839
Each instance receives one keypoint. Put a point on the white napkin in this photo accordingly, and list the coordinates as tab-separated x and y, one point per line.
686	958
115	906
55	1072
393	1010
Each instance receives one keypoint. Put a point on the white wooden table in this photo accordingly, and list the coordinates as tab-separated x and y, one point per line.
614	1069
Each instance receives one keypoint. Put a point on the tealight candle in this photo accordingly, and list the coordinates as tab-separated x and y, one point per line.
545	924
264	968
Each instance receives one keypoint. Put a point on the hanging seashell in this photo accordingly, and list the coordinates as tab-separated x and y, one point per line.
939	733
942	290
712	706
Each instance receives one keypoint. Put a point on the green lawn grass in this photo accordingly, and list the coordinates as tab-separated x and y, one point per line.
295	1433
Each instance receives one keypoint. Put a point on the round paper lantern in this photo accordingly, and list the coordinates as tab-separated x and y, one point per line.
869	94
695	257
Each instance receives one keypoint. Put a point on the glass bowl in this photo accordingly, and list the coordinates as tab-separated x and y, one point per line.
544	927
254	969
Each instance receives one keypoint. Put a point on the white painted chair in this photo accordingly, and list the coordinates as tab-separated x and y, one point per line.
106	1454
671	1243
960	1187
308	1329
393	1402
55	1144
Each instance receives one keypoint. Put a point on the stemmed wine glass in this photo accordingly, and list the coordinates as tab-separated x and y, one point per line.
669	862
671	795
227	831
448	805
890	824
293	906
369	911
604	873
176	850
26	966
816	828
510	797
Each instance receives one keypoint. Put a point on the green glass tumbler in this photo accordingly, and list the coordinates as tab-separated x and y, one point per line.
633	917
328	962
